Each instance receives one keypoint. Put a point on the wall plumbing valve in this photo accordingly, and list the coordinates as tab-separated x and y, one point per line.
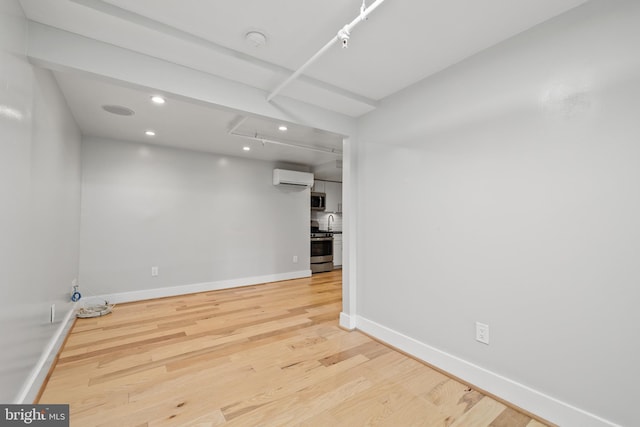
75	295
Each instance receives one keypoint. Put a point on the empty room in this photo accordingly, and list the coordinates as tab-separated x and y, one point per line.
338	212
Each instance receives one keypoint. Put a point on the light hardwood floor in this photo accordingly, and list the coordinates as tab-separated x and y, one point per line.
262	355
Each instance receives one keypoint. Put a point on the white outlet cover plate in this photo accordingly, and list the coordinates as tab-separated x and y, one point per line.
482	333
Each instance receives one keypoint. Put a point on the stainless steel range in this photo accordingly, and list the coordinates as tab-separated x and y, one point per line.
321	249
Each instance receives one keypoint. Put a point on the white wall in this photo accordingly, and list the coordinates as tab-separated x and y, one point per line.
201	218
506	190
39	210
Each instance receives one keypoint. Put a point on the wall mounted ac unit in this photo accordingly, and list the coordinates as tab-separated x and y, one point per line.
283	176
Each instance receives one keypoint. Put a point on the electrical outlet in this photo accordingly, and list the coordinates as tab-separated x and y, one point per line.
154	271
482	333
295	258
52	316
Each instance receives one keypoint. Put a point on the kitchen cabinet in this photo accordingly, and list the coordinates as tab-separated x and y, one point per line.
337	250
333	190
334	196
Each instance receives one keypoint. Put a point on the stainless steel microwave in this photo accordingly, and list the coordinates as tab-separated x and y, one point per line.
318	201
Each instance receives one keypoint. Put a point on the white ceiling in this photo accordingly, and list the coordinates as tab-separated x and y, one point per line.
402	42
189	125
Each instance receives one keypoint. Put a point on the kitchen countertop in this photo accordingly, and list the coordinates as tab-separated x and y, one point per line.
330	231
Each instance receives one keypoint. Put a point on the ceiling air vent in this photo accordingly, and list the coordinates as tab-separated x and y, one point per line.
118	110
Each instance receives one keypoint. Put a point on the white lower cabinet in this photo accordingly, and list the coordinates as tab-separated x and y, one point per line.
337	250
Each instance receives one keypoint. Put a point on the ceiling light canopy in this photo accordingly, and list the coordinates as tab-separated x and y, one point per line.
246	148
150	133
157	99
282	128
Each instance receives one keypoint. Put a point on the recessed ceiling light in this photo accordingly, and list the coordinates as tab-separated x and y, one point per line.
282	128
150	133
157	99
118	110
246	148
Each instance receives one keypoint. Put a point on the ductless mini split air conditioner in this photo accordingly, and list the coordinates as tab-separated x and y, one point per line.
283	176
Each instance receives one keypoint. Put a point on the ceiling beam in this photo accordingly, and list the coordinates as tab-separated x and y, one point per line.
64	51
143	21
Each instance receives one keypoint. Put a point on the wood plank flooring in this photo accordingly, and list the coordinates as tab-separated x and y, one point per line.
265	355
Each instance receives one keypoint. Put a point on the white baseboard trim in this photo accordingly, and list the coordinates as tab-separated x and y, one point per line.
531	400
38	375
145	294
347	322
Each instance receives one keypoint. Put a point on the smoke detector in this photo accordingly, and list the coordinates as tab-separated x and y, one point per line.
255	39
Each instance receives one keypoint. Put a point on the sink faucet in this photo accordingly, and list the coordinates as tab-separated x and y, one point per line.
329	219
